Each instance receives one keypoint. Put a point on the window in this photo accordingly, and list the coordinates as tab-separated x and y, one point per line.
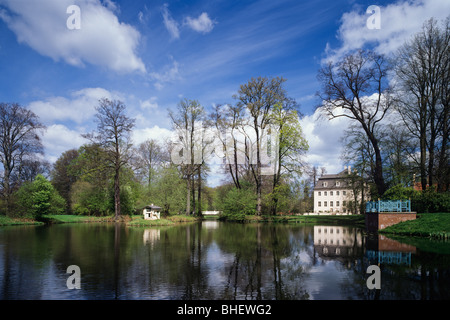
344	193
324	193
319	203
338	183
320	193
331	203
337	193
337	203
343	203
325	203
331	193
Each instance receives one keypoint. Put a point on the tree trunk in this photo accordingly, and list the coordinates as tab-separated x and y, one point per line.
193	192
188	195
443	170
258	173
423	159
117	194
378	170
199	192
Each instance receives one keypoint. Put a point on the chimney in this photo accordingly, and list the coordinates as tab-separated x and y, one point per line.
349	170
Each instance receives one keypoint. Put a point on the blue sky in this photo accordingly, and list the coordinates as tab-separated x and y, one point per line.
152	54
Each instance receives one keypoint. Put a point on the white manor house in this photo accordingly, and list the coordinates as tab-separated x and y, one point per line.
332	193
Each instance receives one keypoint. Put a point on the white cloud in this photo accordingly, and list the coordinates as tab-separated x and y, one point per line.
169	74
149	103
79	108
101	40
160	134
324	139
202	24
110	5
58	138
399	22
170	23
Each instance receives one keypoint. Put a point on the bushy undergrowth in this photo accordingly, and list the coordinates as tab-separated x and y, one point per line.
429	201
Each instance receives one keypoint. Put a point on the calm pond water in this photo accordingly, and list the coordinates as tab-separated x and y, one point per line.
214	260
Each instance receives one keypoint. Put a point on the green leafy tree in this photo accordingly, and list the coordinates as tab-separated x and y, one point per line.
171	195
87	199
289	148
239	202
63	176
259	96
39	197
90	194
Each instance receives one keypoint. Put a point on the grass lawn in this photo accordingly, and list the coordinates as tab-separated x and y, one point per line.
434	225
68	218
7	221
357	220
139	221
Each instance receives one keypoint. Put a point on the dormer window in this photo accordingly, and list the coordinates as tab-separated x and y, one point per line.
338	183
324	184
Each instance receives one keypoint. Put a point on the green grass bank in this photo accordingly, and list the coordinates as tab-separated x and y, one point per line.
431	225
8	221
353	220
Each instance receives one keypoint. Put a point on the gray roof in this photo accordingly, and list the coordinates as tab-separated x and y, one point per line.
152	207
331	180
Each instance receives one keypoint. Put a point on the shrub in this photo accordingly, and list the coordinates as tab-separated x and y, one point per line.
87	199
431	202
398	192
238	203
38	198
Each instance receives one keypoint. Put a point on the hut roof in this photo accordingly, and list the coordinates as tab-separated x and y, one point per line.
153	207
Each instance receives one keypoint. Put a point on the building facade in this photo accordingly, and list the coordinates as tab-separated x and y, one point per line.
333	194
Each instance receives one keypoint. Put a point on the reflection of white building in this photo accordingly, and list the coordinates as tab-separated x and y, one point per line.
336	240
151	236
210	224
332	193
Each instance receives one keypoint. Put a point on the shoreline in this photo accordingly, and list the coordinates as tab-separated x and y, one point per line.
427	225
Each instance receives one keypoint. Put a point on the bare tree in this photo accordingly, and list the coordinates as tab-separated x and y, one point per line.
227	120
187	123
422	73
259	96
356	87
148	155
113	134
19	141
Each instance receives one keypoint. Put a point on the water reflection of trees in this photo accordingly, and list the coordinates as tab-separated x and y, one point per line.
195	261
263	266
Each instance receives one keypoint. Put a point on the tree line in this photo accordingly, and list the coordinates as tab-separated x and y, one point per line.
109	175
398	109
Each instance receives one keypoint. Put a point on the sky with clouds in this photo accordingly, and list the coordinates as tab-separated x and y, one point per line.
151	54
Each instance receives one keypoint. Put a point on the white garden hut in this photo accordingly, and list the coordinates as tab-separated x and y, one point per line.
151	212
